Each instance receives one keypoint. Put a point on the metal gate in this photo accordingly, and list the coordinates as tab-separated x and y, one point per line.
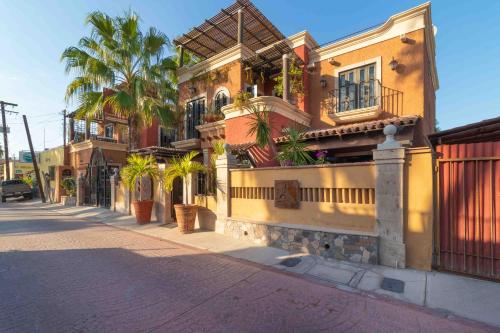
97	182
469	213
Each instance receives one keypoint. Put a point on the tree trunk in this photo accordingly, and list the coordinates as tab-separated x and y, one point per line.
132	133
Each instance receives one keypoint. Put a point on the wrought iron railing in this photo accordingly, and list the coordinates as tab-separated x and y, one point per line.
365	94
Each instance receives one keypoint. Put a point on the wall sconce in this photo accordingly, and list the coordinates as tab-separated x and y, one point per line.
323	82
394	64
404	39
333	62
192	89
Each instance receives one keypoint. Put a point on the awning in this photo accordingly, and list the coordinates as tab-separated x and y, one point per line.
162	152
356	128
220	32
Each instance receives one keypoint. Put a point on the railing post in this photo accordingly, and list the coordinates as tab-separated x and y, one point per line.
389	160
223	163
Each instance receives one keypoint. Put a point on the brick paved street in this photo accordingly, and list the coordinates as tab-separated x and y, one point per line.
60	274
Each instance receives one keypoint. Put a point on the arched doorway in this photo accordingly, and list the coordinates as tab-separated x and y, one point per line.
97	184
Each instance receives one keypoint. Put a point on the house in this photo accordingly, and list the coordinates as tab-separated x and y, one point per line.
340	94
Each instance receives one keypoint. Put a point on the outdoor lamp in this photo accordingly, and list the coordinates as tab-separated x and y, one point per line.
394	64
192	89
323	82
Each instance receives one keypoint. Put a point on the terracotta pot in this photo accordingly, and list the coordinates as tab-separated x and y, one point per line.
186	217
143	211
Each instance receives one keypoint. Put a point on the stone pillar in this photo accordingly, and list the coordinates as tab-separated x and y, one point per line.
223	163
113	180
241	19
389	200
286	86
80	190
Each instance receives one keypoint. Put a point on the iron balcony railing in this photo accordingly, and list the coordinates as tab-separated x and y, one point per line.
365	94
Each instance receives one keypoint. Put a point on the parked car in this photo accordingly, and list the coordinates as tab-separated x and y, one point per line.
15	188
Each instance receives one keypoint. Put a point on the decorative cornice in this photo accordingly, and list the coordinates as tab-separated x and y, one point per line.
237	52
301	38
211	126
90	144
408	21
273	104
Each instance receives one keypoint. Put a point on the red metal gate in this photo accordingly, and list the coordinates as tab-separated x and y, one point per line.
469	208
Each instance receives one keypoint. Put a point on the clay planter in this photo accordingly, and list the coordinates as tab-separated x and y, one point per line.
186	217
143	211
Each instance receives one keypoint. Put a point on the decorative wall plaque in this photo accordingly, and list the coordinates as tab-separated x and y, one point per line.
286	194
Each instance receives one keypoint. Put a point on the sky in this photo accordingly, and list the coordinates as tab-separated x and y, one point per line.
33	34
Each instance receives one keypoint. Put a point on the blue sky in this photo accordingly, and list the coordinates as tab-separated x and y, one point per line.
33	33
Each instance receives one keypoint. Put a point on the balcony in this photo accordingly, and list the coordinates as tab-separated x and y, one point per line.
95	141
362	101
273	104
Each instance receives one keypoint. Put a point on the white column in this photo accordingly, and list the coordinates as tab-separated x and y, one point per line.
286	87
223	164
389	200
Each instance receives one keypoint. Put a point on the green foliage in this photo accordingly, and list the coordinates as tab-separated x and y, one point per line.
69	185
119	56
241	99
259	125
181	167
295	80
294	150
138	167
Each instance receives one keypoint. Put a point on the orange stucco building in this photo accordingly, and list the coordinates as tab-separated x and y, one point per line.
349	89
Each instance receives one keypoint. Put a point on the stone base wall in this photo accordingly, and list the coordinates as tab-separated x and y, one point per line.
355	248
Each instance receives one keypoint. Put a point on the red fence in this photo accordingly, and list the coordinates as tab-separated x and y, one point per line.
469	208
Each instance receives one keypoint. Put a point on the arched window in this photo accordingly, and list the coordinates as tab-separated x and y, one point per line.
221	99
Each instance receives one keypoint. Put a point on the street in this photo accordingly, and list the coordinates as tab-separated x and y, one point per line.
62	274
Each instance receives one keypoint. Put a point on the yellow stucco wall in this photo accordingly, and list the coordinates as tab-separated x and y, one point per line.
320	211
419	212
51	157
17	169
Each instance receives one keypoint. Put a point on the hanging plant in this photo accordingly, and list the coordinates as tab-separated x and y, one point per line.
241	99
294	79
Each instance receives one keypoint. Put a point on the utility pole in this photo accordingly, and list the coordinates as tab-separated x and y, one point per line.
5	141
33	157
64	127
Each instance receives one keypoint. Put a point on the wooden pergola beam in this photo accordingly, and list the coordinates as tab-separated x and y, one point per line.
245	29
260	21
210	37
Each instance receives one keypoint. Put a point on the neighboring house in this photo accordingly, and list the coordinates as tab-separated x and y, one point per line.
467	238
53	166
352	87
17	169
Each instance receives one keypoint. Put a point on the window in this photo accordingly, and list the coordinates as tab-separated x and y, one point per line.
195	110
109	131
52	172
94	128
167	136
357	88
221	99
201	185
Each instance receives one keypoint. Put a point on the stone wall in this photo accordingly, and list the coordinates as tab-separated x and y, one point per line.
354	248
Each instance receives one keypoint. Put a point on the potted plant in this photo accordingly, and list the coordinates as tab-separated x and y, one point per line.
133	174
69	185
241	99
183	167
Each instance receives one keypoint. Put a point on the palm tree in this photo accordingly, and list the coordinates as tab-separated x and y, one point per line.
119	56
294	150
181	167
136	169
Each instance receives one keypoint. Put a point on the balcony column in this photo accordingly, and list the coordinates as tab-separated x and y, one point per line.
87	129
241	19
181	56
71	129
286	87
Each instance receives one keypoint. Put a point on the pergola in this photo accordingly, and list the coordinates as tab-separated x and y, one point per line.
239	23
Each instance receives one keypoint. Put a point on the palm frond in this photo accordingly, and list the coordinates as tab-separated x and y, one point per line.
181	167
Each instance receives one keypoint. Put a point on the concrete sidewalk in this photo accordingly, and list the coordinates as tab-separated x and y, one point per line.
451	294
